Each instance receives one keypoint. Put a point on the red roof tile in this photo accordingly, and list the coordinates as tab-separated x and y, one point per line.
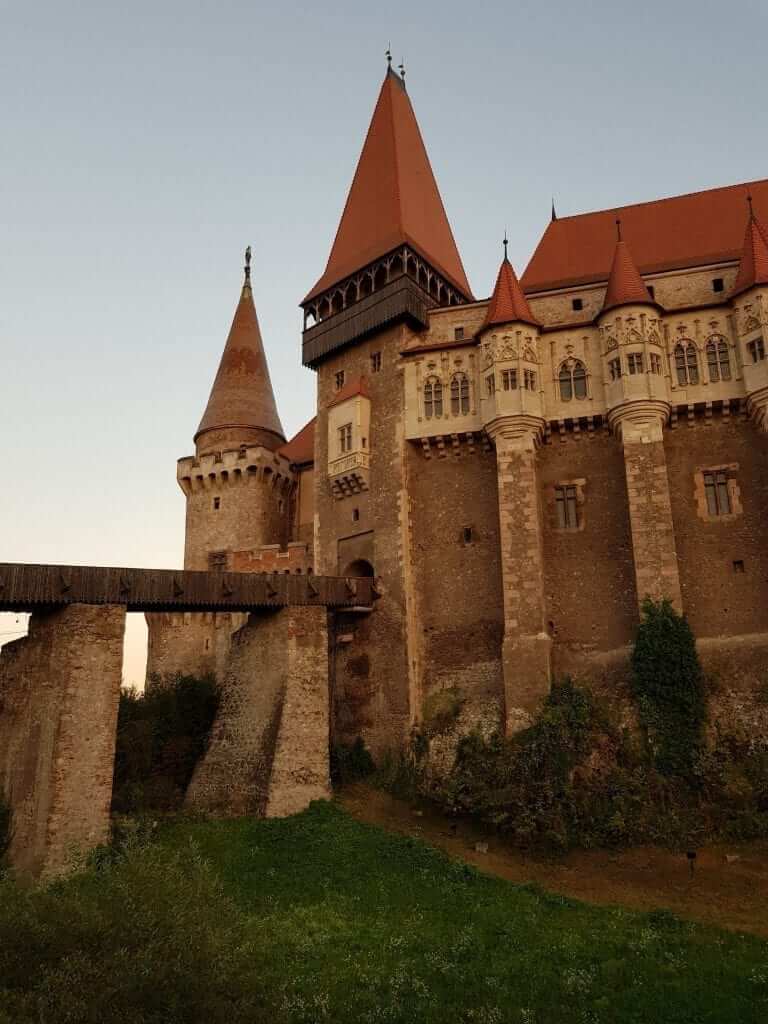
301	447
508	303
753	266
624	282
242	403
394	199
353	387
684	231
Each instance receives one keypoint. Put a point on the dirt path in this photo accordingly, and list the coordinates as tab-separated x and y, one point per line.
729	887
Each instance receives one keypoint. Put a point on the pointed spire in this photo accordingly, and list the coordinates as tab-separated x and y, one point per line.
625	285
753	265
394	199
508	303
554	211
241	408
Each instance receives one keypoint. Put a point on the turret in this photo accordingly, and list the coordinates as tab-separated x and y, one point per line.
749	297
238	488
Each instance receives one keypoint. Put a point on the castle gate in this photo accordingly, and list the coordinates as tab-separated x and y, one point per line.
60	690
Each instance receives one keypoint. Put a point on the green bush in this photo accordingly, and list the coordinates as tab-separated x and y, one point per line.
161	735
668	685
352	762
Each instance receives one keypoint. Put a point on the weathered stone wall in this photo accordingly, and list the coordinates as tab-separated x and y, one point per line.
296	558
269	747
189	643
59	695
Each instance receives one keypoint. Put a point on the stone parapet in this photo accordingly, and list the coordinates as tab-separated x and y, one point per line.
234	466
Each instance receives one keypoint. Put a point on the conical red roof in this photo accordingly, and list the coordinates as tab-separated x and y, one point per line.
394	199
241	408
624	282
508	302
753	266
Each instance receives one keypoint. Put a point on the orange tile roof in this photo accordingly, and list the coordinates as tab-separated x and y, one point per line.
753	266
242	396
353	387
624	282
684	231
301	447
508	302
394	199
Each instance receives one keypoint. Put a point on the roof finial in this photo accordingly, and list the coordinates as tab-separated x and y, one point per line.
505	243
749	204
618	229
401	69
247	267
554	211
389	56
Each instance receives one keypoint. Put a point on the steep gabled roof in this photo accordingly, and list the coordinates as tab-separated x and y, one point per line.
625	285
394	199
242	404
301	447
508	302
753	266
667	234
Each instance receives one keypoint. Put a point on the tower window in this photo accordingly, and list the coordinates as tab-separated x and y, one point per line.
716	491
375	362
577	304
433	397
529	380
635	362
718	359
459	394
458	334
686	363
567	507
655	362
756	349
467	535
718	284
572	380
738	565
614	368
355	515
490	385
339	380
509	380
216	504
345	438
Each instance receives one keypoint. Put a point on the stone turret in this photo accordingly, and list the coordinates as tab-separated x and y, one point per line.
749	297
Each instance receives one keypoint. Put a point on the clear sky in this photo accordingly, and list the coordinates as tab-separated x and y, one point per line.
145	144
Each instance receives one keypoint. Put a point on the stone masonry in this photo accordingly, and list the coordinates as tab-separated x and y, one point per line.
59	695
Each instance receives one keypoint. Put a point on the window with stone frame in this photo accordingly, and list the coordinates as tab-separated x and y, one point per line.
635	363
718	359
717	493
655	360
529	380
490	385
433	397
375	362
217	561
567	508
572	380
339	380
459	394
509	380
345	438
614	368
756	349
686	363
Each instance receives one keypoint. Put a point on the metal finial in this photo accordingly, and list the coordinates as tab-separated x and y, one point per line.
554	211
505	243
401	69
618	229
389	58
248	265
749	203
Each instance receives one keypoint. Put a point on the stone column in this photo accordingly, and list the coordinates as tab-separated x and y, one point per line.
526	652
268	754
640	427
59	695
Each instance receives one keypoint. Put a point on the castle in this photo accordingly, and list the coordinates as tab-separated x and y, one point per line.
518	473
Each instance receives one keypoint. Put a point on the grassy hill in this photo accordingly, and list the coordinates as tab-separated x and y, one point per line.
321	918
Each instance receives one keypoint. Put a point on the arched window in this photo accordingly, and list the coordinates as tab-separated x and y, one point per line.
686	363
433	397
718	359
573	380
459	394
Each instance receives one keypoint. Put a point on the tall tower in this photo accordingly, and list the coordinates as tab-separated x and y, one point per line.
238	489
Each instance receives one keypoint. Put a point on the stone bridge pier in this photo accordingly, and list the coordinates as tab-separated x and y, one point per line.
60	692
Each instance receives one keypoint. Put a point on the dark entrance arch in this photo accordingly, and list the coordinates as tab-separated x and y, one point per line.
360	567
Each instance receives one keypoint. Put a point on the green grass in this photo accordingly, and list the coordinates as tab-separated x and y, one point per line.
321	918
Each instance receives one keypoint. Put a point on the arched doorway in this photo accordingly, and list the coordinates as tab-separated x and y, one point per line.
360	567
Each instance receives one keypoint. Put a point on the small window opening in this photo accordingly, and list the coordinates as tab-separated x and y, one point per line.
339	380
716	491
345	438
577	304
490	385
614	368
375	362
207	644
509	380
355	515
458	334
756	350
738	565
529	380
216	504
655	363
635	362
567	507
718	285
651	291
467	535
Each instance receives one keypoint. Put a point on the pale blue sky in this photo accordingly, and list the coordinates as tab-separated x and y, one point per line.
144	145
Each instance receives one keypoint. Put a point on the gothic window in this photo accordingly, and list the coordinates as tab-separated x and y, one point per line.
635	363
490	385
567	507
756	349
529	380
345	438
718	360
339	380
459	394
686	363
614	368
655	362
433	397
509	380
716	491
573	380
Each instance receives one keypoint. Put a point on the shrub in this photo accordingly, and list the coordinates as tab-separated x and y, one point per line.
441	710
161	736
668	684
